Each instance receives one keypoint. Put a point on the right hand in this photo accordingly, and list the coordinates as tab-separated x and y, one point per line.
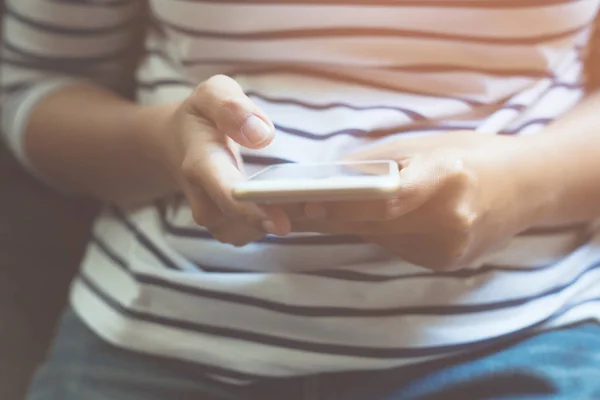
202	137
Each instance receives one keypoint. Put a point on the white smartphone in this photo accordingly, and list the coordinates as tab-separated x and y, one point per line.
341	181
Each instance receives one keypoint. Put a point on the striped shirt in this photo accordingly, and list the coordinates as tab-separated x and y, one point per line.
334	76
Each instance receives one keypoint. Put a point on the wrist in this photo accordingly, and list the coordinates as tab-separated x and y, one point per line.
153	129
539	179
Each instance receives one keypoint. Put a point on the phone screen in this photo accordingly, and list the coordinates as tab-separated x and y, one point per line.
322	171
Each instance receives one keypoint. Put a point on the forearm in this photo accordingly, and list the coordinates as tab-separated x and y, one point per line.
566	156
90	140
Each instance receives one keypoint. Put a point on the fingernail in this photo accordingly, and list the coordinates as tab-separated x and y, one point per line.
255	130
315	211
269	227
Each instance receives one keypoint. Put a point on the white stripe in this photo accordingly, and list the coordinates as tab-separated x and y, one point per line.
46	44
466	21
411	329
72	14
218	351
364	52
428	290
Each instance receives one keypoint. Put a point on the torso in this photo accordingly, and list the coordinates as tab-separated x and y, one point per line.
334	76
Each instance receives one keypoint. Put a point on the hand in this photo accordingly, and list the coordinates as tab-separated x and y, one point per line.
200	142
462	194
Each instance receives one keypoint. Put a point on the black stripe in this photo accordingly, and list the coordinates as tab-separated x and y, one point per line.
205	368
112	56
64	66
584	236
416	68
360	132
333	76
320	33
355	276
195	233
144	240
343	274
347	312
191	232
340	77
264	160
326	240
568	85
378	133
518	129
155	84
326	106
375	133
270	340
159	53
404	3
556	230
16	87
79	31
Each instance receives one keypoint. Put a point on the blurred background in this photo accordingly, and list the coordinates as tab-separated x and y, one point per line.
42	236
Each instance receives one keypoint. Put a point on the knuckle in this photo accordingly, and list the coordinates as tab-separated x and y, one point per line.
462	219
231	105
209	85
233	236
191	169
210	88
230	114
455	251
458	170
204	90
449	255
205	219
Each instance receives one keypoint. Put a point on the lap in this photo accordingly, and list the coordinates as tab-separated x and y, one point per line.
80	365
561	364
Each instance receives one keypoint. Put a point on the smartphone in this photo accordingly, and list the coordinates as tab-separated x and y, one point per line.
303	182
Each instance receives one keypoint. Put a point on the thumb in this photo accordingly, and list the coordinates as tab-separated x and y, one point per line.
222	101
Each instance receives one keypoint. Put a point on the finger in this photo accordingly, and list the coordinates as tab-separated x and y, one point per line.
294	210
204	211
277	222
237	234
430	218
307	225
211	166
221	100
423	177
351	211
234	148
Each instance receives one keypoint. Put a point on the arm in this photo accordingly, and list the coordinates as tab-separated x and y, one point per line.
59	59
109	148
464	193
567	160
62	68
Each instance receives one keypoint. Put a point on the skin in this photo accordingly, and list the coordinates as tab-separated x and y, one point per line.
462	193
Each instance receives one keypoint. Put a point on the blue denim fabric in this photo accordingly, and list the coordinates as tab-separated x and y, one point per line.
561	364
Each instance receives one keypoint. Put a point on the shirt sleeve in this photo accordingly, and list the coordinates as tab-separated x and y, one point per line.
48	44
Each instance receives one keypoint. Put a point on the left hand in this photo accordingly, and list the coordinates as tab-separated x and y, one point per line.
462	194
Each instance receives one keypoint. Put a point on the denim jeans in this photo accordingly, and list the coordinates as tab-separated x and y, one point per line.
560	364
